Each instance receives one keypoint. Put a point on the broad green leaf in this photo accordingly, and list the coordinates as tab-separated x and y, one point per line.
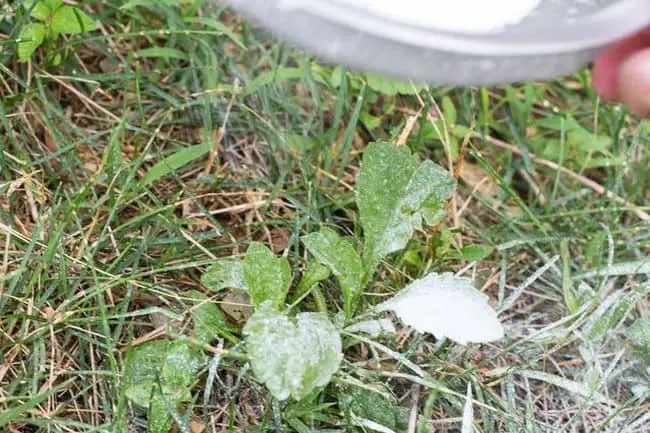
315	273
170	365
343	260
209	320
395	194
577	136
291	356
42	9
337	77
390	86
371	122
158	419
267	277
473	252
31	37
70	20
371	403
224	274
449	110
174	162
162	53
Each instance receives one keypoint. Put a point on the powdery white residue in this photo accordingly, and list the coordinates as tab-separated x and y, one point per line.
463	16
446	306
292	356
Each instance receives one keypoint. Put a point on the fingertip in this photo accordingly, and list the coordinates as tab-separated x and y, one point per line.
604	74
633	80
606	68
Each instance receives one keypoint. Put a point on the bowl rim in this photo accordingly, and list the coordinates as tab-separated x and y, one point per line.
612	22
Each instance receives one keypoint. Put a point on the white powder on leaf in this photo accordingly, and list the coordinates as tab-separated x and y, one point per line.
464	16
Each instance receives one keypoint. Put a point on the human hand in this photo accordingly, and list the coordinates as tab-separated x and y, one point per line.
622	73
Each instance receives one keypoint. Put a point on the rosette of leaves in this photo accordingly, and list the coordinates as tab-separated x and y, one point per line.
295	355
292	355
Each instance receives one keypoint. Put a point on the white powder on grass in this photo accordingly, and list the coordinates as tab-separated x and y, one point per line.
465	16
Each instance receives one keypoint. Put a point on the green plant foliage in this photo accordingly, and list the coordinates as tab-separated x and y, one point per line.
292	356
373	405
472	252
224	274
42	9
72	20
390	86
55	18
584	147
208	319
313	274
267	277
31	37
170	366
158	418
342	259
395	193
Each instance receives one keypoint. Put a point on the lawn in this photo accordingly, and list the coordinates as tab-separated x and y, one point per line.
147	160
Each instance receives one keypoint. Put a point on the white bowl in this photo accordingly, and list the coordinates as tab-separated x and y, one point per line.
558	38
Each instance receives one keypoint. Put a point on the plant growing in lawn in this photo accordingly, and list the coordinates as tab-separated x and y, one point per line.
295	355
51	19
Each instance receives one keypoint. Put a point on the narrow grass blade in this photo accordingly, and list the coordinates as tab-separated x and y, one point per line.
161	53
627	268
174	162
468	412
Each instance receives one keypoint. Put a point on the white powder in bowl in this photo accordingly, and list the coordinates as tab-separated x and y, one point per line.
464	16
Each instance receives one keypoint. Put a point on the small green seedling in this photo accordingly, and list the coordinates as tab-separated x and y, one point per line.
297	354
52	18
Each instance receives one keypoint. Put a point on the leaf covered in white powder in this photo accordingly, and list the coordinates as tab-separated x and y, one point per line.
342	259
446	306
168	365
267	277
292	356
224	274
395	194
